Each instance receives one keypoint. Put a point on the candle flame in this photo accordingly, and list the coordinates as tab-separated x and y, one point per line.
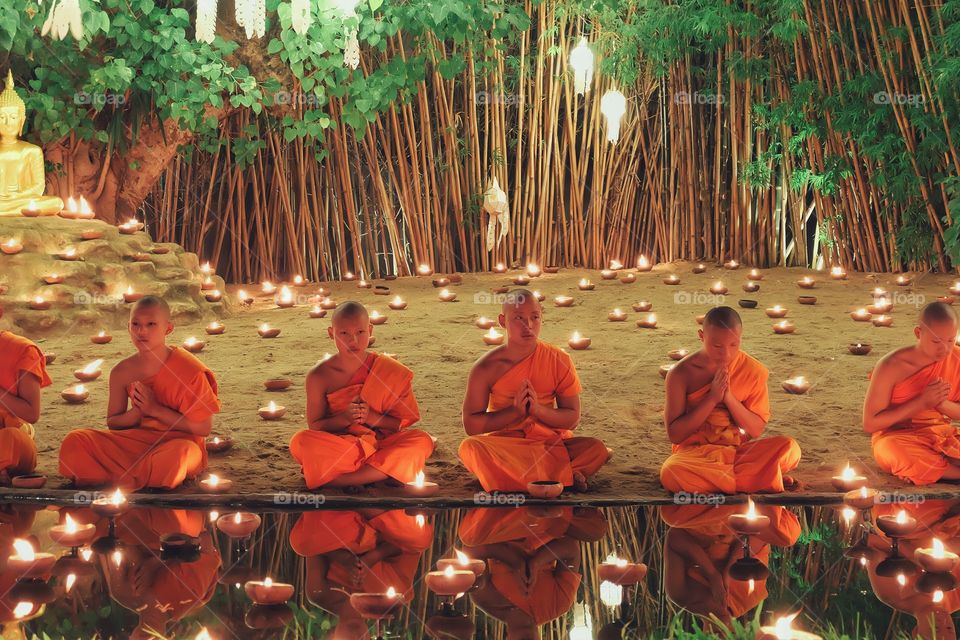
69	526
23	609
836	271
86	553
297	279
576	336
214	515
267	582
391	593
901	579
78	389
799	380
902	517
448	571
847	473
584	281
616	264
782	629
751	585
937	596
204	635
848	515
652	317
190	341
643	262
863	492
423	268
213	479
285	294
421	521
68	584
617	312
462	558
236	518
398	300
938	549
242	294
265	327
11	243
418	480
272	406
375	314
117	557
751	510
493	333
24	550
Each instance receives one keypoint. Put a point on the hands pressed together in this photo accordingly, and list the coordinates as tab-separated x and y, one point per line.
526	400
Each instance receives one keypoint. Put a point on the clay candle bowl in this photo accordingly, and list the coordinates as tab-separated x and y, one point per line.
244	298
376	606
91	234
617	315
806	282
484	322
807	299
751	287
397	304
381	290
316	312
545	489
585	285
782	630
272	411
551	268
848	480
608	274
650	322
215	484
784	327
749	523
218	444
563	301
76	394
285	298
447	296
946	299
215	329
11	247
71	534
69	254
678	354
700	268
797	385
130	295
267	288
936	559
837	273
53	278
672	279
349	276
424	270
101	338
450	581
207	284
499	268
747	304
665	369
39	303
266	331
859	349
193	345
861	315
718	288
882	321
277	384
90	372
110	506
363	284
643	306
267	592
420	488
328	304
862	498
213	296
776	311
376	318
897	526
643	265
903	281
880	305
955	289
578	342
27	563
755	275
29	481
464	563
239	524
533	270
492	338
628	278
49	357
500	290
621	572
440	282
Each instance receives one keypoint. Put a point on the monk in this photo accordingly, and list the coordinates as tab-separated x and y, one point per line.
161	406
23	373
359	407
913	395
716	410
521	407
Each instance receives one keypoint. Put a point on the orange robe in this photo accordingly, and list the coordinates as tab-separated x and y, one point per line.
151	455
509	459
385	385
719	457
919	452
18	453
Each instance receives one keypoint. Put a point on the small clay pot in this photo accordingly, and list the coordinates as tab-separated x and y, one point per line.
277	384
29	481
544	489
747	304
807	299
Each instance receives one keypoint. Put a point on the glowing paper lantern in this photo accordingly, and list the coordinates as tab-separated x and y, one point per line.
581	61
613	105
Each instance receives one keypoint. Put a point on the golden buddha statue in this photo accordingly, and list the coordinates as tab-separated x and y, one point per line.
22	178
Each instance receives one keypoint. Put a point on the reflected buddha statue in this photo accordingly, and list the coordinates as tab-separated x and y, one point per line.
22	177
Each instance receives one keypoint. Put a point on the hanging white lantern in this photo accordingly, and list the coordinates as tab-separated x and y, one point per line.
495	203
611	594
252	16
351	52
347	8
206	20
613	105
64	17
300	16
581	61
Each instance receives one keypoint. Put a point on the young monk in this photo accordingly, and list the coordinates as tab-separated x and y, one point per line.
715	412
913	395
161	406
359	408
520	409
23	373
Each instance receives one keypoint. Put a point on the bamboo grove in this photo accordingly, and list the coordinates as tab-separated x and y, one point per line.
798	132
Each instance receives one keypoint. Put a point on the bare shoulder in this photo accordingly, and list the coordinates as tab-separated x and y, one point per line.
320	373
898	360
489	364
127	370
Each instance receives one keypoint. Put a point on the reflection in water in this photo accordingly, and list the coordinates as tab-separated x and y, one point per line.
509	573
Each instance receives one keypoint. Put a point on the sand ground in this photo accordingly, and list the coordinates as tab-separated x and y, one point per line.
623	391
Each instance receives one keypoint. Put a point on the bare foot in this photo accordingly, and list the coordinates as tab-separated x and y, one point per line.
580	482
791	484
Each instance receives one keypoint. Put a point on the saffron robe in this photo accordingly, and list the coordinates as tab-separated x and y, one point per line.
18	452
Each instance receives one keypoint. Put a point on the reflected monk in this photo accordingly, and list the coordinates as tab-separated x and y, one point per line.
521	407
913	395
22	177
716	409
23	373
161	406
360	406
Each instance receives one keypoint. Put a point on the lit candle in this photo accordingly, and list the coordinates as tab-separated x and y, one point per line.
463	562
267	288
31	209
563	301
363	284
848	480
70	534
718	288
39	303
751	286
749	523
936	559
499	268
700	268
616	316
217	443
397	304
608	274
27	563
450	581
110	506
424	270
272	411
643	264
578	342
493	337
585	285
376	606
215	484
285	298
193	345
215	328
776	311
533	270
903	281
755	275
239	524
628	278
732	264
797	385
783	327
955	289
316	312
484	322
53	278
859	349
862	498
672	279
207	284
897	526
328	303
376	318
616	264
101	338
420	487
782	630
69	254
678	354
539	296
298	281
266	331
861	315
650	322
90	372
521	280
244	297
267	592
837	273
642	306
130	295
883	321
621	572
806	282
447	296
206	269
880	305
76	394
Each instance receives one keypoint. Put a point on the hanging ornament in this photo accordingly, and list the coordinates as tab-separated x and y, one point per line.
581	61
64	17
300	16
613	105
252	16
351	52
206	20
495	203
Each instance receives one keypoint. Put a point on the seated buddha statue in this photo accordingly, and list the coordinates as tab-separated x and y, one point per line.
22	178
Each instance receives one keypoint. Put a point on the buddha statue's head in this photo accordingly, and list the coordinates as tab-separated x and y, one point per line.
13	112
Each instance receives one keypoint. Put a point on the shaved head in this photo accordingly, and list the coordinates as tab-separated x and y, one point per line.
722	318
517	298
151	302
349	311
937	313
520	315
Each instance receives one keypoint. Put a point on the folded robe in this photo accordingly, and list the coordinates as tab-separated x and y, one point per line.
151	455
719	457
18	453
509	459
919	452
385	385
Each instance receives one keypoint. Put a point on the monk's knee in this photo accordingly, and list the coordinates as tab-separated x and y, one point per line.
421	439
297	442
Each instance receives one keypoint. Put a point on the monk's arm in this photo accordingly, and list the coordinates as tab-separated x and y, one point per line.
118	416
179	422
476	418
743	417
682	421
950	409
382	421
566	415
25	403
565	551
877	413
317	407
